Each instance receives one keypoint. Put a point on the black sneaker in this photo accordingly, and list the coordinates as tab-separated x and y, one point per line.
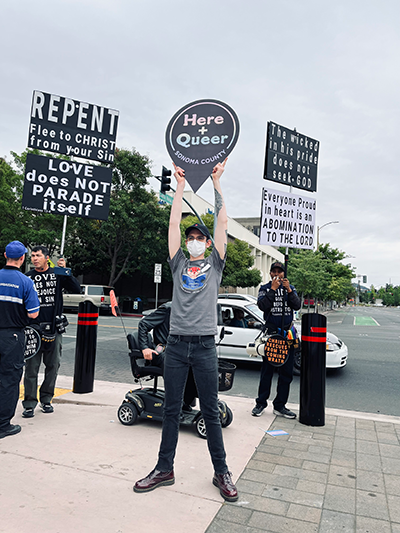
29	412
258	410
287	413
46	408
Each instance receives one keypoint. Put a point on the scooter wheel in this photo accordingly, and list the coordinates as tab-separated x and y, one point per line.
201	428
127	414
229	418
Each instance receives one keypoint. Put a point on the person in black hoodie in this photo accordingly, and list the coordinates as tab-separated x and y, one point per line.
158	322
49	286
272	297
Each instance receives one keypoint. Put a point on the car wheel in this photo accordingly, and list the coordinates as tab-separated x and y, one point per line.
297	363
201	427
127	414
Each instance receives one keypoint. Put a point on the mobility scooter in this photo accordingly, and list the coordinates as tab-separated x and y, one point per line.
148	402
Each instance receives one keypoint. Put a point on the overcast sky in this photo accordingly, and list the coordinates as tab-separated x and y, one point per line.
328	69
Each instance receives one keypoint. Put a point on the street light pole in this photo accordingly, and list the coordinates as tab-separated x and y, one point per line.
319	228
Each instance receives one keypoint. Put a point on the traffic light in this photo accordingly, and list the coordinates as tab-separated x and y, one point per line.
165	180
364	279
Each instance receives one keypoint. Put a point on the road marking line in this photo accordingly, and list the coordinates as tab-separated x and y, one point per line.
365	321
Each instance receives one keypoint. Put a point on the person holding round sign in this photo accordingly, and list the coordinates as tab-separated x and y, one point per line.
276	298
191	340
19	302
51	323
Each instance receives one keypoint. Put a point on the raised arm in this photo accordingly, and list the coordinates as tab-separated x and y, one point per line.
174	232
221	230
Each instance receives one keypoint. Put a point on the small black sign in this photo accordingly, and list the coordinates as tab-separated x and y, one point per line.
200	135
65	187
32	342
276	350
73	128
291	158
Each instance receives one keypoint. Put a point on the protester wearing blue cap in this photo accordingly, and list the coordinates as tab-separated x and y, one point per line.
18	303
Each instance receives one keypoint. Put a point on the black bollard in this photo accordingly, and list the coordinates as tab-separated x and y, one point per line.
85	351
313	370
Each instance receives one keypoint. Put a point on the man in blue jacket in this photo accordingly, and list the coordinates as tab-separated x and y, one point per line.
272	297
19	302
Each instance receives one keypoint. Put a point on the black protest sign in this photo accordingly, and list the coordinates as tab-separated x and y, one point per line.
276	350
200	135
73	128
291	158
65	187
32	342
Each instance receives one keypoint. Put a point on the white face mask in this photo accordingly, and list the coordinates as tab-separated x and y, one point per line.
196	248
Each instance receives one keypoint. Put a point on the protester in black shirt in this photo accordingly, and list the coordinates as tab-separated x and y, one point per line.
49	286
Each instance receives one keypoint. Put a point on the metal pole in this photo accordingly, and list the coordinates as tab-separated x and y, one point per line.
156	295
63	236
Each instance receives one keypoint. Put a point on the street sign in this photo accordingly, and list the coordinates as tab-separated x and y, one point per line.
157	272
291	158
166	198
287	219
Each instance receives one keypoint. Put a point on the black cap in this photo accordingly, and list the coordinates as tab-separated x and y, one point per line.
277	264
199	227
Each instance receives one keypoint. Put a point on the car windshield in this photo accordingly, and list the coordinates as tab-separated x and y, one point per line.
253	308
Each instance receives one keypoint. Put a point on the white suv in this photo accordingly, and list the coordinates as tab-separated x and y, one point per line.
99	295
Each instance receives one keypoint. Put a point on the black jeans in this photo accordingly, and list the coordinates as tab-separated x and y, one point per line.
12	342
285	377
51	358
202	357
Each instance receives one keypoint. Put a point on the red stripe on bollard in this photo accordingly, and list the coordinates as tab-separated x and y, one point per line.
87	323
313	339
88	315
317	330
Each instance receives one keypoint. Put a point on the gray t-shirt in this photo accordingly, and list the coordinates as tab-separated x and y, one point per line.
195	293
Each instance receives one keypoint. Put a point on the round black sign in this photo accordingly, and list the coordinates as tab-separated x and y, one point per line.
32	342
200	135
276	350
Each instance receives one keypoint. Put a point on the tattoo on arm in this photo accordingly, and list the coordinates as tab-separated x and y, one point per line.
218	202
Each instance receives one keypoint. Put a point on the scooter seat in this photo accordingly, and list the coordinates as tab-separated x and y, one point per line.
139	367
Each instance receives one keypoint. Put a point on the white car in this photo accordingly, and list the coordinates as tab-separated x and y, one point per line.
237	296
233	345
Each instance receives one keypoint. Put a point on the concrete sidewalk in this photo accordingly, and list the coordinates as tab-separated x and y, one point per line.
73	471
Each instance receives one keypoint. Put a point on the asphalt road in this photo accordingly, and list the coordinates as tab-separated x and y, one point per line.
369	383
